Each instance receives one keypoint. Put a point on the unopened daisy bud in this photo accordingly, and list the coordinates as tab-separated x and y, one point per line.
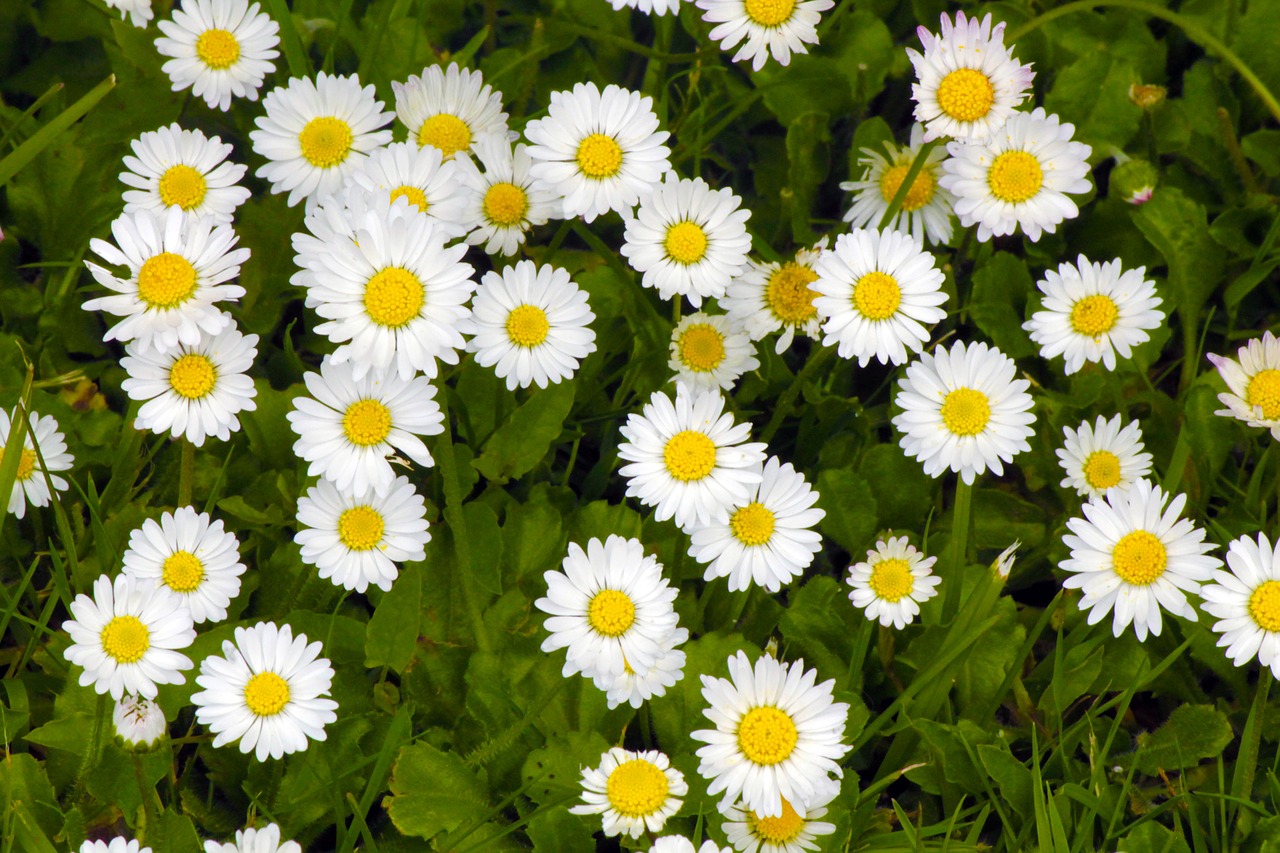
139	722
1134	181
1147	96
1003	564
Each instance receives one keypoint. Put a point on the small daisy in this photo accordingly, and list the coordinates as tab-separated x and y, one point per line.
877	291
195	390
357	540
138	12
351	427
964	411
172	167
192	555
1102	457
649	7
789	833
504	201
635	792
709	352
449	108
315	132
220	48
777	27
633	688
139	722
688	459
421	175
768	538
1253	383
531	324
600	151
926	208
177	269
769	297
1019	178
264	840
688	239
127	637
269	690
30	485
609	608
892	583
1246	600
777	735
1132	555
116	845
680	844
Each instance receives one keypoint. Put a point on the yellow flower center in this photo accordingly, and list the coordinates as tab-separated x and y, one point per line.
686	243
527	326
447	132
325	141
1139	558
166	280
611	612
366	423
393	297
217	49
126	639
766	735
1264	392
1015	176
770	13
777	830
689	455
266	694
193	376
505	204
752	524
416	197
360	528
183	186
182	572
877	295
1264	606
636	788
966	94
891	580
966	411
1094	316
788	294
701	348
26	462
1102	470
920	194
599	156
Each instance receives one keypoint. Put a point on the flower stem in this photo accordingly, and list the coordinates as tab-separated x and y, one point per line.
186	472
959	545
788	398
899	197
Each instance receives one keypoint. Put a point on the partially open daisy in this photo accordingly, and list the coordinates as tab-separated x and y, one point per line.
1246	601
964	411
688	459
127	637
768	297
926	208
892	583
29	485
635	688
1020	178
220	49
777	735
172	167
788	833
423	177
769	27
269	690
710	352
968	81
600	151
504	201
1132	555
449	108
877	290
195	390
138	722
264	840
190	554
1092	311
137	12
634	792
1253	383
1103	456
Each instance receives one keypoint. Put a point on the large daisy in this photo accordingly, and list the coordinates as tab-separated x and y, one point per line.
1253	383
710	351
1246	602
892	583
778	296
220	48
926	208
633	792
191	554
172	167
29	485
1103	456
504	201
449	109
768	27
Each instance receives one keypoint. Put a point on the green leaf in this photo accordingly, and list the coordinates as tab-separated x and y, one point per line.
1093	94
1263	148
1179	228
1155	838
1001	288
434	791
1011	776
1191	734
1000	517
553	771
520	443
391	637
808	153
533	539
850	505
811	84
484	539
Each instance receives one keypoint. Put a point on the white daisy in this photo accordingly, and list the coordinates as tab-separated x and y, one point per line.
449	108
176	273
777	735
192	555
220	48
1253	383
633	688
1019	178
315	132
710	352
139	722
357	539
264	840
138	12
926	208
777	27
892	583
29	485
116	845
768	297
649	7
351	427
269	690
1246	601
195	390
600	151
1131	554
688	459
877	291
531	324
172	167
963	410
127	637
688	239
1092	311
680	844
504	201
789	833
421	175
768	538
635	792
1103	456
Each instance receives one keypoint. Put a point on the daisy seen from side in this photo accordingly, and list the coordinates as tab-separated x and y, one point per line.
710	352
504	201
190	554
449	109
1103	456
787	833
421	175
633	792
30	485
1246	602
172	167
138	722
1253	383
892	582
926	208
115	845
220	49
778	296
251	840
765	28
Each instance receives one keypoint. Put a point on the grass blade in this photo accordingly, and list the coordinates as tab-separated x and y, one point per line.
42	138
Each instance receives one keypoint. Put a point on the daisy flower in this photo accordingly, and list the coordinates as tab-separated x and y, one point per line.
421	175
138	13
315	132
926	208
172	167
768	538
688	459
1253	383
449	108
969	83
777	735
599	151
1092	311
771	297
892	583
633	688
177	269
191	554
220	48
116	845
504	201
687	239
680	844
876	292
357	540
139	722
127	636
1246	601
531	324
635	792
788	833
351	427
649	7
1103	456
269	690
194	390
264	840
30	485
710	352
963	410
1019	178
777	27
1131	554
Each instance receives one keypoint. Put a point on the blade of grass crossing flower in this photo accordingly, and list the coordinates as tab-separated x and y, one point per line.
17	436
294	54
42	138
917	166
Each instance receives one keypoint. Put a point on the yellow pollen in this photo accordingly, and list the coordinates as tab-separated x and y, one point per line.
701	348
767	735
193	376
360	528
1094	316
966	411
393	297
166	280
217	49
1139	558
416	197
1102	470
689	456
770	13
1264	393
686	243
182	572
447	132
891	580
1264	606
183	186
789	296
752	524
920	194
266	694
1015	176
325	141
527	326
599	156
126	639
777	830
877	295
26	462
611	612
366	423
505	204
966	94
636	788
